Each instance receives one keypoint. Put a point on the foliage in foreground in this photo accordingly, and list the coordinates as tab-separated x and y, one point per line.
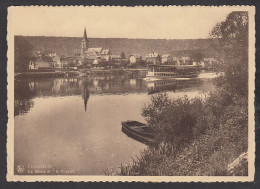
217	136
202	136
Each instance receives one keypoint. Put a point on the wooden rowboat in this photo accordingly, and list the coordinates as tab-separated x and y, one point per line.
138	131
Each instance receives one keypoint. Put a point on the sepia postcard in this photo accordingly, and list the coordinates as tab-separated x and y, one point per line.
131	94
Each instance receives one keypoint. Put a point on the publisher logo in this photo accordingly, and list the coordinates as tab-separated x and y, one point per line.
20	168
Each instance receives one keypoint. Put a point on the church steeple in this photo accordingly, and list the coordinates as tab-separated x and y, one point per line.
84	43
85	34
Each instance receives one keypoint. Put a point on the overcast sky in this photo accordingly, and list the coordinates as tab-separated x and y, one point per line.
117	22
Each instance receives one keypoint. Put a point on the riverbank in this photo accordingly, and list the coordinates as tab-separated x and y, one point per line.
80	72
202	138
113	71
46	74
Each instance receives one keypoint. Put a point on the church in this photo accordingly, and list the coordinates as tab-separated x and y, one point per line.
98	54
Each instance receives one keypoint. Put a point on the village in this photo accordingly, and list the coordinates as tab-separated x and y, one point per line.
141	92
99	58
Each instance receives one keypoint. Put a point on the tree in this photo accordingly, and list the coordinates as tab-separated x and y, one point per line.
232	46
22	53
122	55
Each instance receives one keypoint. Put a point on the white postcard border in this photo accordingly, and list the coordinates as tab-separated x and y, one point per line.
77	178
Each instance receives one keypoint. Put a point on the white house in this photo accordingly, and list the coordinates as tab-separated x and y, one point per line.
166	59
105	54
32	65
135	58
153	58
56	61
97	60
186	61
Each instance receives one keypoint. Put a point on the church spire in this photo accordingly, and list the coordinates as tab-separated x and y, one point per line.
84	43
85	34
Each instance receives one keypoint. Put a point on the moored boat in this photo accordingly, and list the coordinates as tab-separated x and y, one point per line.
138	131
170	71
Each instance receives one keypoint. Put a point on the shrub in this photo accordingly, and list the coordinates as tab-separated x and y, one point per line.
173	120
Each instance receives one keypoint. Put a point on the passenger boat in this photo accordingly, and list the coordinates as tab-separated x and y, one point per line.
138	131
171	71
162	85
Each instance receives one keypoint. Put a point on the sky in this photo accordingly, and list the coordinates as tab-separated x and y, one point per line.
172	22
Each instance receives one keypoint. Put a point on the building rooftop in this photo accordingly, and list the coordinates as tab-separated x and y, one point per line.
80	58
99	49
185	58
105	51
154	54
90	57
136	55
116	56
166	55
42	64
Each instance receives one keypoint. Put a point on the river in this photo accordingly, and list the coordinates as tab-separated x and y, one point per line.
73	125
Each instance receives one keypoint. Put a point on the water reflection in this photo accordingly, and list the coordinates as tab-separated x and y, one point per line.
85	93
26	90
23	94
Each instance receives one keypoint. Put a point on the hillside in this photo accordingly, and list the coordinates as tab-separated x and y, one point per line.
71	45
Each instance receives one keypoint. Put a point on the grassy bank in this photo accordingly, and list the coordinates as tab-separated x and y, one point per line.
197	136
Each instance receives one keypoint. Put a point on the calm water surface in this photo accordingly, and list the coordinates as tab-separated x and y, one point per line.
73	126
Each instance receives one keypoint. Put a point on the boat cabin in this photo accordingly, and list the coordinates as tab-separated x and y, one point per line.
170	70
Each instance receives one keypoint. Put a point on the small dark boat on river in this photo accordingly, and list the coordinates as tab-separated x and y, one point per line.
138	131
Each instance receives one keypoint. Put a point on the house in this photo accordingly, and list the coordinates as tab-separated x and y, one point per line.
153	58
195	63
80	60
51	54
185	61
97	60
208	62
176	61
135	58
93	51
72	61
64	62
90	59
98	52
105	54
56	61
41	63
169	60
201	64
116	58
166	59
36	54
32	65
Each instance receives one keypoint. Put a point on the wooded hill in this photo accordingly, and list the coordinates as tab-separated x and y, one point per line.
70	45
